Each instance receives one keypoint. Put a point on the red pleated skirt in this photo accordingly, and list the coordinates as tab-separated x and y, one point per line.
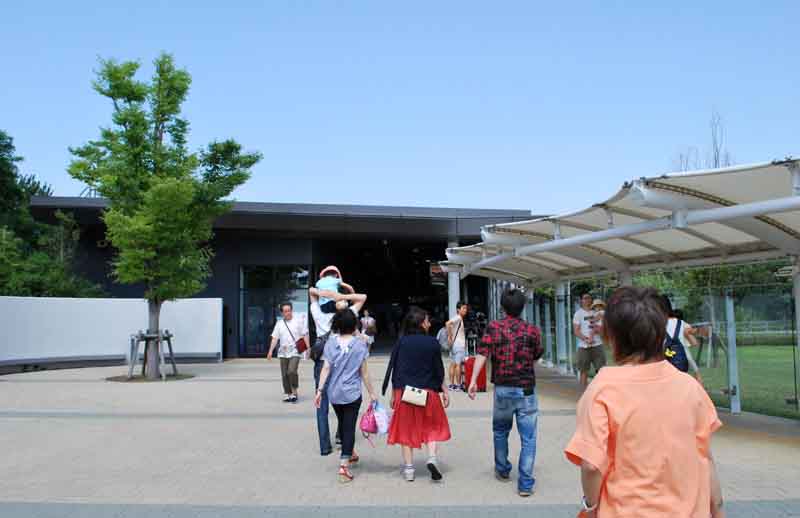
414	425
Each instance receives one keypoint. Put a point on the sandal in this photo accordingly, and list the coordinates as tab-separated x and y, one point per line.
344	475
354	458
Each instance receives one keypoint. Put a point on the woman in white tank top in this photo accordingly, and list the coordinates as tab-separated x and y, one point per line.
686	337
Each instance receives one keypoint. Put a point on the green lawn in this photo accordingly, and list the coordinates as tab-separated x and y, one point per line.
766	379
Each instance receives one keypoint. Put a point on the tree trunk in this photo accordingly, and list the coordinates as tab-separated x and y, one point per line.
152	368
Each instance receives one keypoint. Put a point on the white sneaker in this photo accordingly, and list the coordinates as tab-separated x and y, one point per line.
408	474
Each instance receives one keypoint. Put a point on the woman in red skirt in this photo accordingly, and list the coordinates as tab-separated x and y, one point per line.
417	364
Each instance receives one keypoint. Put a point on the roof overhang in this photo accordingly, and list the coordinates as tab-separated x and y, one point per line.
320	220
731	215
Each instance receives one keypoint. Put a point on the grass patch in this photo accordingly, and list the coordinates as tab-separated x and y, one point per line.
766	379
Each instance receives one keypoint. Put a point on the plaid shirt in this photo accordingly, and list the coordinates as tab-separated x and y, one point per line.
513	346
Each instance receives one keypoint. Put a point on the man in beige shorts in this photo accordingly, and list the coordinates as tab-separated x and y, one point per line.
590	343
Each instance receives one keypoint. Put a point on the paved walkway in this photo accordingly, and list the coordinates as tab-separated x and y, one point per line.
223	445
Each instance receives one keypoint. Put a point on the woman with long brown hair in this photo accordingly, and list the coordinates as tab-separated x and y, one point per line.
419	394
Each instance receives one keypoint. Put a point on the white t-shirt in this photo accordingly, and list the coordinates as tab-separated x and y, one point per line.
286	339
323	320
584	318
460	340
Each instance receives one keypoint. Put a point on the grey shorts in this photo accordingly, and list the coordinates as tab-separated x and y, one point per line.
588	356
458	355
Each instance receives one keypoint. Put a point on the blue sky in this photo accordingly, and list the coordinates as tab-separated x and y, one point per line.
531	105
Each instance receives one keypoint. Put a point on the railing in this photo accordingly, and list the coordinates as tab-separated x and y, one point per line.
753	327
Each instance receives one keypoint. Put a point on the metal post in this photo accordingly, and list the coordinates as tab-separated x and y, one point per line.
133	355
796	295
733	366
453	287
561	338
571	350
163	364
548	333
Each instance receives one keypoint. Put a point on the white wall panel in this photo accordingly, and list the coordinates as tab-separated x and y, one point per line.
62	329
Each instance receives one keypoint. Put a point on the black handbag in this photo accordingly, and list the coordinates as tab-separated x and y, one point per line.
318	349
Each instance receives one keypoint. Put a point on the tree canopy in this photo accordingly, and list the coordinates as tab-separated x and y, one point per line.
36	259
163	197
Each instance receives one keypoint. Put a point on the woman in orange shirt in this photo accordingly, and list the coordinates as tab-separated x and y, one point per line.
643	436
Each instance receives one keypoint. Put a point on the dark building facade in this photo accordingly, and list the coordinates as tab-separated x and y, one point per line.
268	253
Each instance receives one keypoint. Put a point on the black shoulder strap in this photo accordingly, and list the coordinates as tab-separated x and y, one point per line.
389	368
677	334
290	330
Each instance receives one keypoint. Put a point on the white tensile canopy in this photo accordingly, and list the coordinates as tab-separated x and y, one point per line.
736	214
733	215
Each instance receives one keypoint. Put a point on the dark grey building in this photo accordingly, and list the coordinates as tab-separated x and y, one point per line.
266	253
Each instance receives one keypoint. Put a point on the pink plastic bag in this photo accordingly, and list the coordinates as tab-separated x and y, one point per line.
368	423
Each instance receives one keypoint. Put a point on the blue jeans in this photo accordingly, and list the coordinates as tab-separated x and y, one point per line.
325	447
510	402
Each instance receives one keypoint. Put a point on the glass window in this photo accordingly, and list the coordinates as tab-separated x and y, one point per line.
262	290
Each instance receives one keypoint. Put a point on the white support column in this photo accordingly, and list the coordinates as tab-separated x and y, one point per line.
570	340
453	287
796	295
561	322
625	278
548	334
734	390
795	170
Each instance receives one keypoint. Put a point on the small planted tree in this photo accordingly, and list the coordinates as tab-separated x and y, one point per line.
163	197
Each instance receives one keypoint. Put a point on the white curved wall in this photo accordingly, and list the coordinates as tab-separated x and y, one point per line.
59	329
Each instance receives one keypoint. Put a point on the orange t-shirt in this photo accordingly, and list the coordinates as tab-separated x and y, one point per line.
648	429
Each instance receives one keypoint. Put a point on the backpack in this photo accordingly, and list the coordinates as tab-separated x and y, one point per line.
441	337
674	351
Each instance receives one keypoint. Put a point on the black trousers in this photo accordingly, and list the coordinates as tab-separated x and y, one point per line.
347	415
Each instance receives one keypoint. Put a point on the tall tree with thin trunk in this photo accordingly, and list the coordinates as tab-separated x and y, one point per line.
718	154
163	197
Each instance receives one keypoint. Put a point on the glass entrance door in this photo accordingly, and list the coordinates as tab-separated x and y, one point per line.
261	290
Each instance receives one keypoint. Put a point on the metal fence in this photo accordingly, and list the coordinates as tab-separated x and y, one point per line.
747	349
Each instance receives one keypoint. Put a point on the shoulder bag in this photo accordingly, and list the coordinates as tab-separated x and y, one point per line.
318	348
415	396
299	344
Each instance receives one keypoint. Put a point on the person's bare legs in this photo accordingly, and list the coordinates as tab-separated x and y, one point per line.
433	446
452	373
584	379
408	455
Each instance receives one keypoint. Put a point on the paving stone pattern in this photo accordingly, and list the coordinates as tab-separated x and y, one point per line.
223	444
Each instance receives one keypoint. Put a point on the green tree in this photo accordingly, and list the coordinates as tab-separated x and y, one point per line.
36	259
15	192
163	197
11	194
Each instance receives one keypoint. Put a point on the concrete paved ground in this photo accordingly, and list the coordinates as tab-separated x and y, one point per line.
223	444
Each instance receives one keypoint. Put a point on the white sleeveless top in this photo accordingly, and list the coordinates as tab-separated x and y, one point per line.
671	324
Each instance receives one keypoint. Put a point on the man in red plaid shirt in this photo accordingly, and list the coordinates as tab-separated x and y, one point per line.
514	345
